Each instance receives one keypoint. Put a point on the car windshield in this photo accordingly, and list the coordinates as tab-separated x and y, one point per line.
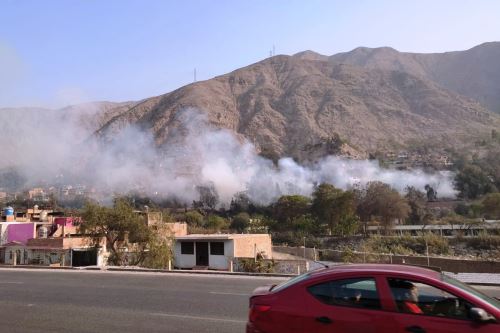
291	282
470	290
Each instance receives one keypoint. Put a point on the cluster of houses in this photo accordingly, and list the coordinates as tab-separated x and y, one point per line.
45	237
45	194
404	160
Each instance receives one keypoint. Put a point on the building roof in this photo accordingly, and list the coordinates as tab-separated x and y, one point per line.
218	236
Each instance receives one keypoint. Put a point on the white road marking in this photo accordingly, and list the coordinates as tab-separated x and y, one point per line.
198	318
11	282
222	293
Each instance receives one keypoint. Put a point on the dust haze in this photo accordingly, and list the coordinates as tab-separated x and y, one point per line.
57	148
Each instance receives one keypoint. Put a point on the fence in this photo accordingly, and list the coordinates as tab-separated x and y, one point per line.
281	266
446	264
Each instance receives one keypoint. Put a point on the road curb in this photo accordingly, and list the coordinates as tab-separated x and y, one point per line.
147	270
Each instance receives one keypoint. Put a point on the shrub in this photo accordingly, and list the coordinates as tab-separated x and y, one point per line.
240	222
194	218
257	265
484	242
405	245
216	223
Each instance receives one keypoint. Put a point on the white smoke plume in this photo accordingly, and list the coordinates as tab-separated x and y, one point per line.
54	147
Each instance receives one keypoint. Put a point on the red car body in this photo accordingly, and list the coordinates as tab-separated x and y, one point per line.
297	305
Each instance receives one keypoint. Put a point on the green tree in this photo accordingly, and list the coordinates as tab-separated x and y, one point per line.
240	222
304	224
473	182
491	205
347	226
462	209
416	200
159	248
194	218
379	199
216	222
120	225
332	206
288	208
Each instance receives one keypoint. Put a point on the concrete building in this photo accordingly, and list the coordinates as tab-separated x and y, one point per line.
34	237
218	251
61	251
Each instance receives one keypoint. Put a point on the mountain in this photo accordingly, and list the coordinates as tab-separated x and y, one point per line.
474	73
91	115
309	105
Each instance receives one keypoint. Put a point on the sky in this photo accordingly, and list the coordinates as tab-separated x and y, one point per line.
55	53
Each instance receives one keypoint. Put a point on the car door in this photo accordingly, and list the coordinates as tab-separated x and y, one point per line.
438	310
347	305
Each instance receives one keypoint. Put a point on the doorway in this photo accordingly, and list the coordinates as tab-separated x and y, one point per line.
201	253
84	258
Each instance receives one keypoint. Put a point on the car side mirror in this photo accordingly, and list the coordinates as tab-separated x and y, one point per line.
479	315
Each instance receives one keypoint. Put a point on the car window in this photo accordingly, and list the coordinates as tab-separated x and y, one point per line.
470	290
291	282
360	293
423	299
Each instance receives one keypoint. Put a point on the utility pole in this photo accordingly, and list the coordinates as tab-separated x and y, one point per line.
304	247
194	74
427	252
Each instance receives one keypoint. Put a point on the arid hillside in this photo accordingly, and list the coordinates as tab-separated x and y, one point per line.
309	105
474	73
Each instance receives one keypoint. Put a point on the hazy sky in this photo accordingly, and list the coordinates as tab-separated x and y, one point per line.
54	53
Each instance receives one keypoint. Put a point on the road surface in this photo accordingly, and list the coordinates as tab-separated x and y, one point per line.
118	302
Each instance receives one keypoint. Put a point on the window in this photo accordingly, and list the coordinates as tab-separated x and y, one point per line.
456	283
291	282
423	299
187	248
217	248
360	293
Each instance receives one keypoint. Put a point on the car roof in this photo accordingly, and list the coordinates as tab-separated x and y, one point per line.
416	271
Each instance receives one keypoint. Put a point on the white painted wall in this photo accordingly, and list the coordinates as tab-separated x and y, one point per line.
184	260
221	261
214	261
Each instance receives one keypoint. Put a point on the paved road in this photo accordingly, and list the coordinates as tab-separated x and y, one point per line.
89	302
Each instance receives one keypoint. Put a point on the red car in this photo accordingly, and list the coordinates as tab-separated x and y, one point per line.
372	298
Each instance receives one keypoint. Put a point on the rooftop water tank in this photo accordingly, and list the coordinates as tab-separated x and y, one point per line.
8	211
43	215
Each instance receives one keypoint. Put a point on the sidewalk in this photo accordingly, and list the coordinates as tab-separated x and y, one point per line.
486	279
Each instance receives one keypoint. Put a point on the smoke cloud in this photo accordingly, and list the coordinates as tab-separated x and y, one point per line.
55	147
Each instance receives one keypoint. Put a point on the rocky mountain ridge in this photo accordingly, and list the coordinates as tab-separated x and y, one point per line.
309	105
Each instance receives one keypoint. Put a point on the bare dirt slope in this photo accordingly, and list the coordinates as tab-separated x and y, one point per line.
301	105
